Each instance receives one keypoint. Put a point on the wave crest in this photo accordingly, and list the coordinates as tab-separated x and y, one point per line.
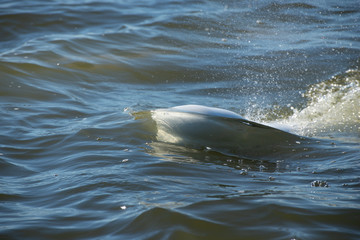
333	107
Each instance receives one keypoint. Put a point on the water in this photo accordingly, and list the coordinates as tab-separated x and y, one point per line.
79	157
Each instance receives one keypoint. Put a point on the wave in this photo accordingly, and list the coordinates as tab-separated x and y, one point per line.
222	219
333	109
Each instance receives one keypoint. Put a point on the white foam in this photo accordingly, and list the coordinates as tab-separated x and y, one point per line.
333	108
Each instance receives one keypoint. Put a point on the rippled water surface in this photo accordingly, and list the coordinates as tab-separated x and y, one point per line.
79	152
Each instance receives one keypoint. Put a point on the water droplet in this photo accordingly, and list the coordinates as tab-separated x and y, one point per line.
318	183
243	172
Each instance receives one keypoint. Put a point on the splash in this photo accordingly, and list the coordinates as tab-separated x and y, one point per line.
333	108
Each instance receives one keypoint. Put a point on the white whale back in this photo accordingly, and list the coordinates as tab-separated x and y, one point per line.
210	111
206	127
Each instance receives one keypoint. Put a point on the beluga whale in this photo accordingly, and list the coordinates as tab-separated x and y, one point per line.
203	127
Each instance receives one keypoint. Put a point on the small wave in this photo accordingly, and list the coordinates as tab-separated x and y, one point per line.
7	168
223	219
172	225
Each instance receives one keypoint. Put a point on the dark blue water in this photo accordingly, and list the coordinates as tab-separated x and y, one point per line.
80	156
